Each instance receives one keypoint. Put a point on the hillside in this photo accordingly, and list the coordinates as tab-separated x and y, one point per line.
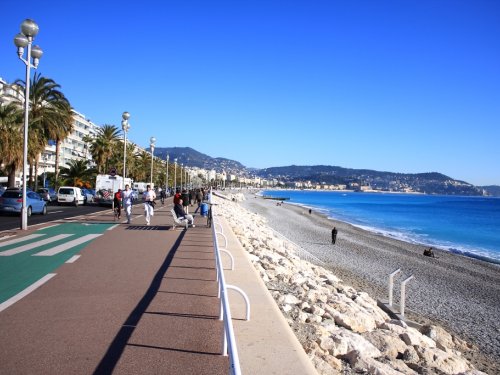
429	183
193	158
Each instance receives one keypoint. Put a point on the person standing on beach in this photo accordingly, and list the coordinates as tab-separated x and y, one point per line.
149	197
310	211
334	235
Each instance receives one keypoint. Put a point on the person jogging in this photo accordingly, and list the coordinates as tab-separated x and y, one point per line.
149	197
127	202
117	204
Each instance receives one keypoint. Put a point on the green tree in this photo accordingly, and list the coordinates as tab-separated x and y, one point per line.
50	117
142	166
103	146
78	174
11	137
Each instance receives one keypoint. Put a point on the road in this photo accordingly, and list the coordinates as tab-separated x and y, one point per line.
54	212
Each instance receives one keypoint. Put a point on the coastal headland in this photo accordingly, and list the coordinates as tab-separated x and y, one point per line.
460	294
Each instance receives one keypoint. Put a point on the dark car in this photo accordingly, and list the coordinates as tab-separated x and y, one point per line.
104	197
48	194
11	201
88	196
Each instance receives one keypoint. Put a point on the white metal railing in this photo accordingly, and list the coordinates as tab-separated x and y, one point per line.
229	341
403	291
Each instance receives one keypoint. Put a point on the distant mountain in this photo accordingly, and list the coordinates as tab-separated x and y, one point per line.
429	183
193	158
493	190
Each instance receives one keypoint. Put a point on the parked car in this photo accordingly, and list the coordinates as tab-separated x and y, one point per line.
70	195
48	194
88	196
104	197
11	201
135	195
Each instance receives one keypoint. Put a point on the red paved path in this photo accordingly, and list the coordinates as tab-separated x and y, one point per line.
140	300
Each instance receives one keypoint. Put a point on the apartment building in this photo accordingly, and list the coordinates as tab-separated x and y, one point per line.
71	148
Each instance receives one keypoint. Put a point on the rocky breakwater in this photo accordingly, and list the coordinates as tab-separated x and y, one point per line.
341	329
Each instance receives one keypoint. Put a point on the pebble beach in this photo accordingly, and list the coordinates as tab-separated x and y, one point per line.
460	294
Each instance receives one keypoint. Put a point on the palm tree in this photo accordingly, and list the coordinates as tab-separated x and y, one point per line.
78	174
142	165
50	116
102	147
11	136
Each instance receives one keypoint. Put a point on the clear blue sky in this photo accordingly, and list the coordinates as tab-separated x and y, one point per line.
401	86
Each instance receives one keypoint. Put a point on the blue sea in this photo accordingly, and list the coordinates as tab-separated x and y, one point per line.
465	225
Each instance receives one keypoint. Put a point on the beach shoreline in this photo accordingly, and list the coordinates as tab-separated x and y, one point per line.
454	291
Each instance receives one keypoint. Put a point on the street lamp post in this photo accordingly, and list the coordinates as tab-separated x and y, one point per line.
125	128
182	172
25	39
166	185
152	141
44	169
175	175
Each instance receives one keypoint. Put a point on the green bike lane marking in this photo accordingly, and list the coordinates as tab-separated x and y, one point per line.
19	271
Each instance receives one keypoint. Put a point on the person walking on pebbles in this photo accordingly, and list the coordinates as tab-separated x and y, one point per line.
334	235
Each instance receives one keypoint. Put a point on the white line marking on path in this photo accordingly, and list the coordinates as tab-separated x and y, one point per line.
66	246
20	239
54	212
113	227
50	226
26	291
73	259
33	245
4	238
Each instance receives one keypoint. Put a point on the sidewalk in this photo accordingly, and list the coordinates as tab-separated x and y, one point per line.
143	300
139	300
266	343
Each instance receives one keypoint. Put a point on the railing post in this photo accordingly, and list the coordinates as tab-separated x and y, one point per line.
391	284
403	296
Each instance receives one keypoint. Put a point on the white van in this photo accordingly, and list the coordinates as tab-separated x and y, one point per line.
70	195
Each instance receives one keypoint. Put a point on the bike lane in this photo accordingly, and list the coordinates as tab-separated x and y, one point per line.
26	260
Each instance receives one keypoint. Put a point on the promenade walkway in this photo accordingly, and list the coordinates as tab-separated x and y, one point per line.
141	300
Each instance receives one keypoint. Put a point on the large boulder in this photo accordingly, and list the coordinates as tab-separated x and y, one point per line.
346	341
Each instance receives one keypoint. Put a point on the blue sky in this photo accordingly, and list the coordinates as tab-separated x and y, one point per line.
401	86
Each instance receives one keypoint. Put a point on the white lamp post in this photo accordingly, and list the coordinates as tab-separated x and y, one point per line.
166	185
152	141
25	39
125	128
44	169
175	175
182	172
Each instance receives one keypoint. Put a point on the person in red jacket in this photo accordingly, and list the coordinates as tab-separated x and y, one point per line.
177	196
117	199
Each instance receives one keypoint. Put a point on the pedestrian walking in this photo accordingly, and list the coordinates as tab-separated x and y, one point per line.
334	235
117	199
149	197
185	200
127	202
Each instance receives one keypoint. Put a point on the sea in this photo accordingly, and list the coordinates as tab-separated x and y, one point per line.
469	226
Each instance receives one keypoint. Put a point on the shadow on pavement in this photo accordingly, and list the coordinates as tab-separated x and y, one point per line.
115	350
